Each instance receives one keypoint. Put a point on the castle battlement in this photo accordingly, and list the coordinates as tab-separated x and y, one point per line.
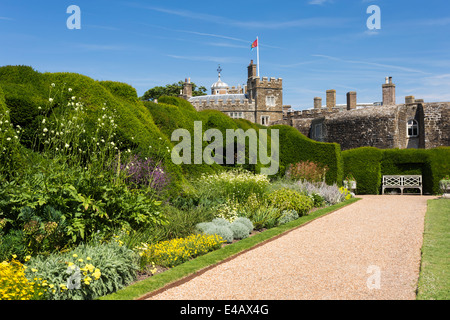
224	104
274	83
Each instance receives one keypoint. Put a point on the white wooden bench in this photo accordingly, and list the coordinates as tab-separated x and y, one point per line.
402	182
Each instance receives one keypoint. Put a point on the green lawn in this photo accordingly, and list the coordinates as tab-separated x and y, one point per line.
434	280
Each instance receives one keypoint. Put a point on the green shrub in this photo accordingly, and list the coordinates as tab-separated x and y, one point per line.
236	184
246	222
240	230
288	216
221	222
287	199
221	230
85	273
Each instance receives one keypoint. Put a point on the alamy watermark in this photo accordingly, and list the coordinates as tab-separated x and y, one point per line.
374	21
74	20
374	280
234	150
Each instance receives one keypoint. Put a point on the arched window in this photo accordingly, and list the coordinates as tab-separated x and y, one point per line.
413	128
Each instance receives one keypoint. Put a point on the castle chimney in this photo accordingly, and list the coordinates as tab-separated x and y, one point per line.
410	100
351	100
331	99
252	70
317	103
388	93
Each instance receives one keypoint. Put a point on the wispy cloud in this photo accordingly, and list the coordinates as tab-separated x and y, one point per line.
208	58
306	22
373	64
6	18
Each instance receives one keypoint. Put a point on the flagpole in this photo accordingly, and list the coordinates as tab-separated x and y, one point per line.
257	54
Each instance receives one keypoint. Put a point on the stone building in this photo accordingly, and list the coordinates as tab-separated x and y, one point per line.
384	125
260	101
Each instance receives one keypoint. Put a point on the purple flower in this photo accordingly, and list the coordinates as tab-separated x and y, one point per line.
145	172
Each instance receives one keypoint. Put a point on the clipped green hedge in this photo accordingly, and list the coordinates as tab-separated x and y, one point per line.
365	165
295	147
26	90
122	90
368	165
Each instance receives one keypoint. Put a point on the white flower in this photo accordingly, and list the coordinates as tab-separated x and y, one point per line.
9	139
53	85
45	130
43	120
50	99
67	145
73	98
70	89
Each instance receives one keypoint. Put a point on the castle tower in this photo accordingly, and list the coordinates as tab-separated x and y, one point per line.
267	95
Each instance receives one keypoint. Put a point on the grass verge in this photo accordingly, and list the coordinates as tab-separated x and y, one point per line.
434	279
193	267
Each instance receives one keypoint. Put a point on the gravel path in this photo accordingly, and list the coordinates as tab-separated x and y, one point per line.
335	257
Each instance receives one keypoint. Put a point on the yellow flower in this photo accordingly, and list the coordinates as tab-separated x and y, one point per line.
27	258
97	274
33	269
14	256
75	255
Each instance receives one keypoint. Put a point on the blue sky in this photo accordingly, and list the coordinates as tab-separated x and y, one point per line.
314	45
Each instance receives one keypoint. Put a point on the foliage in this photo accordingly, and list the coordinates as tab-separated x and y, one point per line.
288	199
240	230
288	216
307	170
264	217
176	251
246	222
330	194
236	184
172	90
85	273
220	227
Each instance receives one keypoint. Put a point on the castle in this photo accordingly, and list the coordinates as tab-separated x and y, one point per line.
384	125
260	101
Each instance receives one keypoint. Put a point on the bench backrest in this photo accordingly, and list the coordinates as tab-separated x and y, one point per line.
406	180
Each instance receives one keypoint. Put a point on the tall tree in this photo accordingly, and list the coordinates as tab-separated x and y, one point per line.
171	90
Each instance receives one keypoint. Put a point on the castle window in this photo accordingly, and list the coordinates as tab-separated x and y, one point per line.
270	101
265	120
318	131
236	115
413	128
